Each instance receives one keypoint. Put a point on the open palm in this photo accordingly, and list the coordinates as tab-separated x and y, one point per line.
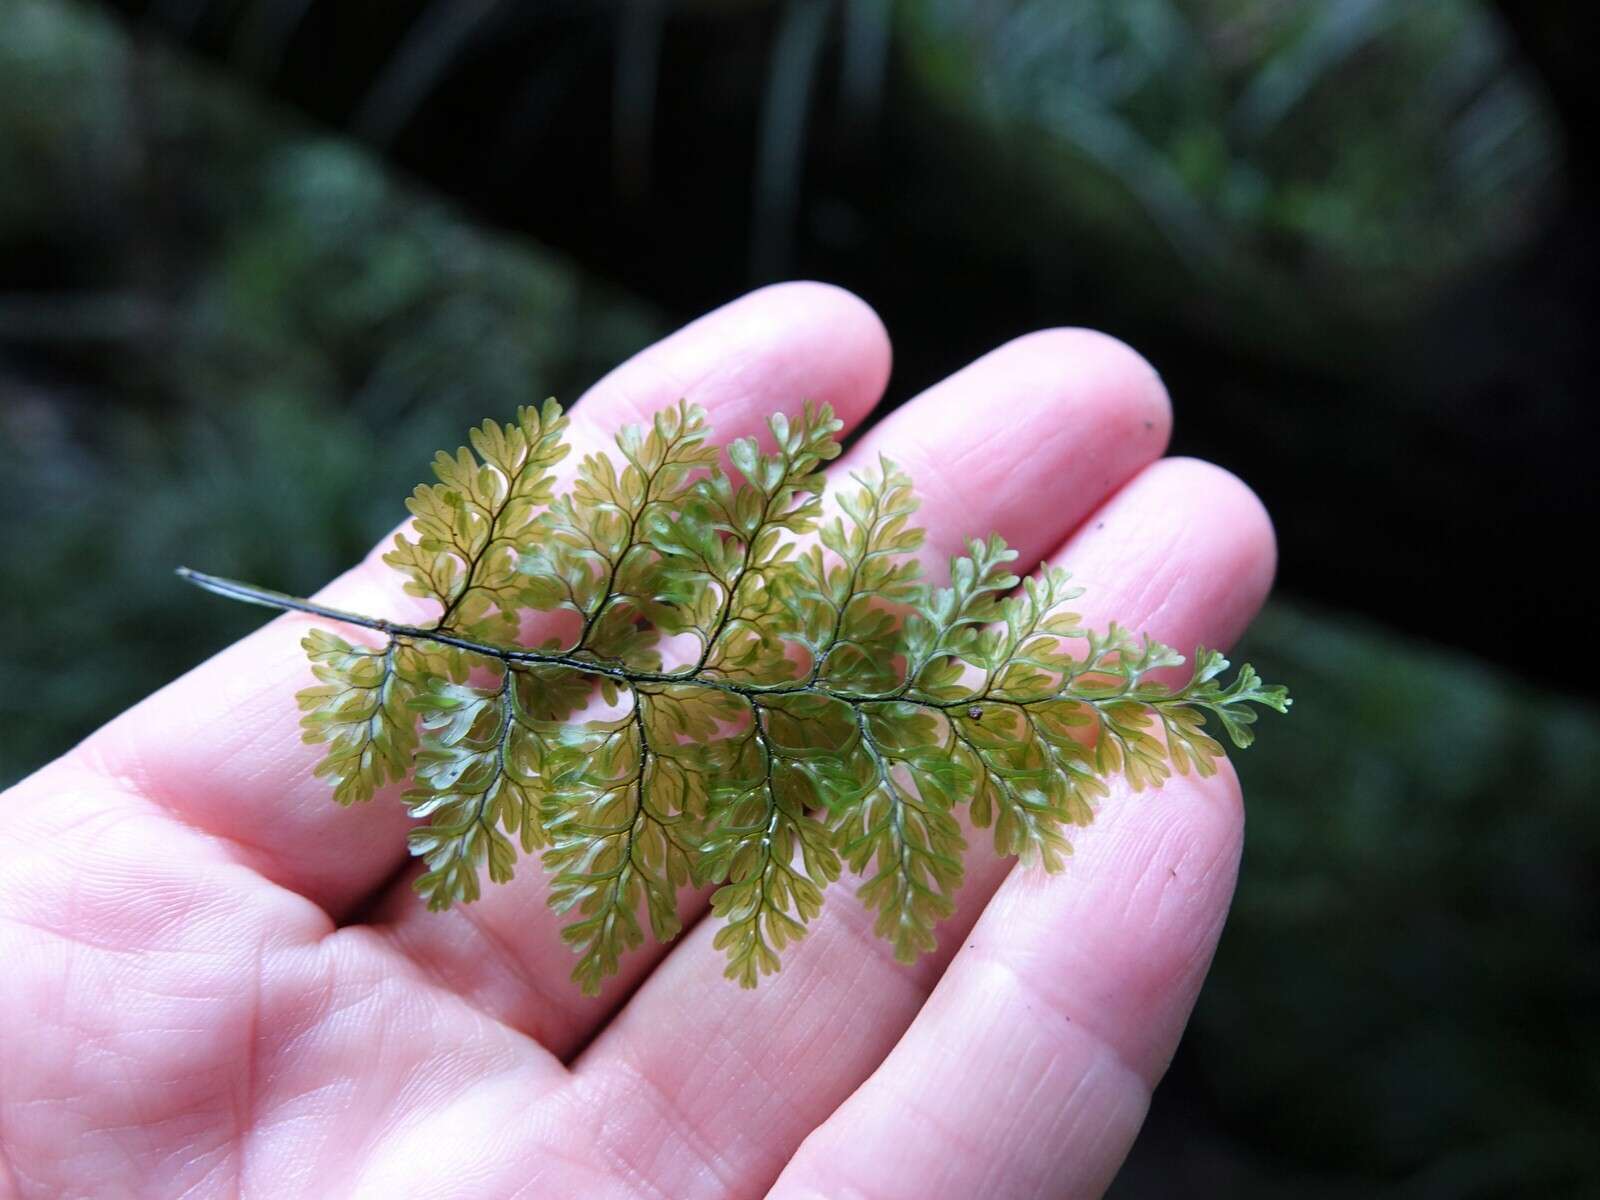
215	982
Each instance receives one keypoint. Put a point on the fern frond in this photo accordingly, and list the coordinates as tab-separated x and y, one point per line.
360	710
780	694
474	524
592	555
842	604
731	544
479	779
1032	778
948	630
901	828
611	845
772	857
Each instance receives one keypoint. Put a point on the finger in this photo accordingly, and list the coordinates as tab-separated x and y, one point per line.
220	748
1183	551
1029	1070
1097	410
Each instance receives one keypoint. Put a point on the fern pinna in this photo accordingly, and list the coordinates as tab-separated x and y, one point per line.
748	693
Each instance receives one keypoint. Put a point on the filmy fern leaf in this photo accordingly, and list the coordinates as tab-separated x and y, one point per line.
749	692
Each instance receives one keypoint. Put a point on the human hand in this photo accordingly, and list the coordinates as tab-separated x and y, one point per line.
216	982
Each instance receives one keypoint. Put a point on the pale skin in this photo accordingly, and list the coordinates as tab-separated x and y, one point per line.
215	982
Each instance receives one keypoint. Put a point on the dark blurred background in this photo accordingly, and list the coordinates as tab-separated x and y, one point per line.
259	258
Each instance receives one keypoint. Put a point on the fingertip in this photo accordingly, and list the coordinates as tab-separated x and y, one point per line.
1097	364
1184	551
1247	541
828	322
1148	889
771	348
1030	438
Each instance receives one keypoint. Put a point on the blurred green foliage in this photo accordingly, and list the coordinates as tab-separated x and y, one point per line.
1344	155
1403	1001
252	344
228	341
